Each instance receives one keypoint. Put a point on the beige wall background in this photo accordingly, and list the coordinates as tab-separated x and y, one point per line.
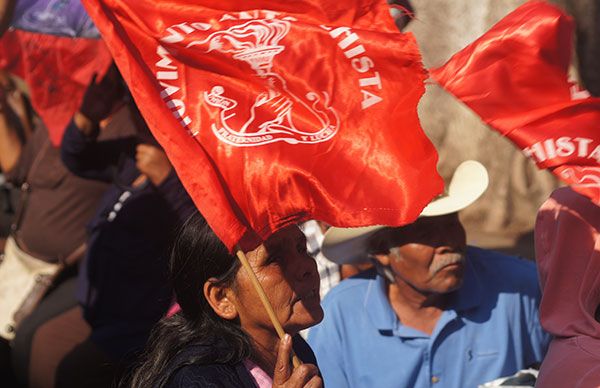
517	188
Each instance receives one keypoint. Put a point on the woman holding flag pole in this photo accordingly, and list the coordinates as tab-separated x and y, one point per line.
222	335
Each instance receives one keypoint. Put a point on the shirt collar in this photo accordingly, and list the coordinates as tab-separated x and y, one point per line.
383	316
378	307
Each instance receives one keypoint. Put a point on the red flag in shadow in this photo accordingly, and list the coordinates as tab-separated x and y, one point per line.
515	78
57	71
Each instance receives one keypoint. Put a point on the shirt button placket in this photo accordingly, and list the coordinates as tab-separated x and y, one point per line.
427	360
434	379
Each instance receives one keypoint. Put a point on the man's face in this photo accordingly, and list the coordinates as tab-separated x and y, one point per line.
428	254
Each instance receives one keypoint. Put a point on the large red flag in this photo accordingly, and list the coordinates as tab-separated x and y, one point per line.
274	112
57	71
515	78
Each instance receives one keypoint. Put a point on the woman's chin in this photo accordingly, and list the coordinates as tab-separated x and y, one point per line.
310	315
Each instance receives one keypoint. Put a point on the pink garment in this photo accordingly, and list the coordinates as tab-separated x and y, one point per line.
567	247
261	378
174	309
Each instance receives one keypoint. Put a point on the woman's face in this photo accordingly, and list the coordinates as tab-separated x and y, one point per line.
290	279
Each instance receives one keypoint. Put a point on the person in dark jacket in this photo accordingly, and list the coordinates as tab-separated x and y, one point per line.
123	287
222	336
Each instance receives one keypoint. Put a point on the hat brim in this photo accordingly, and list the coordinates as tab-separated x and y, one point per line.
349	245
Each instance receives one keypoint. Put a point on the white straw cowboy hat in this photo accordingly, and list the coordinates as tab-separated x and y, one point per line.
349	245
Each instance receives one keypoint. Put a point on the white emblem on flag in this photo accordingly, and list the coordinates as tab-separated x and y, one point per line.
274	109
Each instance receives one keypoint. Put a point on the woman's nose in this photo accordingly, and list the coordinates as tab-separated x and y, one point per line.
306	266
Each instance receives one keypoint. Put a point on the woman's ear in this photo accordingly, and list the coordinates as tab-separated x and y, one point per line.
220	299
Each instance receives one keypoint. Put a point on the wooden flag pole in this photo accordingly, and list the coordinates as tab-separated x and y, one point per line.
265	301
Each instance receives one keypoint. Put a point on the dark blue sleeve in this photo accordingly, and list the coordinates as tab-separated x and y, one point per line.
201	376
176	197
304	351
92	159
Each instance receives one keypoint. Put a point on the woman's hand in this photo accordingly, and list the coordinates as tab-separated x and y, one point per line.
306	375
100	97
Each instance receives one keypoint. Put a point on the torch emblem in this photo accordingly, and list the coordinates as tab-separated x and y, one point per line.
275	112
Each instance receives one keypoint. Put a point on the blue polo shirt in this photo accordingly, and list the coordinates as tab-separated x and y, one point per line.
491	329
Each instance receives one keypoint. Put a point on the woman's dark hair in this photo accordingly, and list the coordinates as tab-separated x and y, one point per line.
198	255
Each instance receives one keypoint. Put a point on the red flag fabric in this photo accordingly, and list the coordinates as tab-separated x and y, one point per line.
57	71
11	54
515	78
275	112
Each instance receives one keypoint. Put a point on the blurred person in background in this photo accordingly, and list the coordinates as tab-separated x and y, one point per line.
567	247
123	287
10	101
48	232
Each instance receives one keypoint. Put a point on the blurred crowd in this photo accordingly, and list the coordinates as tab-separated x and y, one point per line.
91	228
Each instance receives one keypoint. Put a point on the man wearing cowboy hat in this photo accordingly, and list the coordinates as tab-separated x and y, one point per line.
433	312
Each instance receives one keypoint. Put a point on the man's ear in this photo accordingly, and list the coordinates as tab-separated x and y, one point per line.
220	299
382	258
382	265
